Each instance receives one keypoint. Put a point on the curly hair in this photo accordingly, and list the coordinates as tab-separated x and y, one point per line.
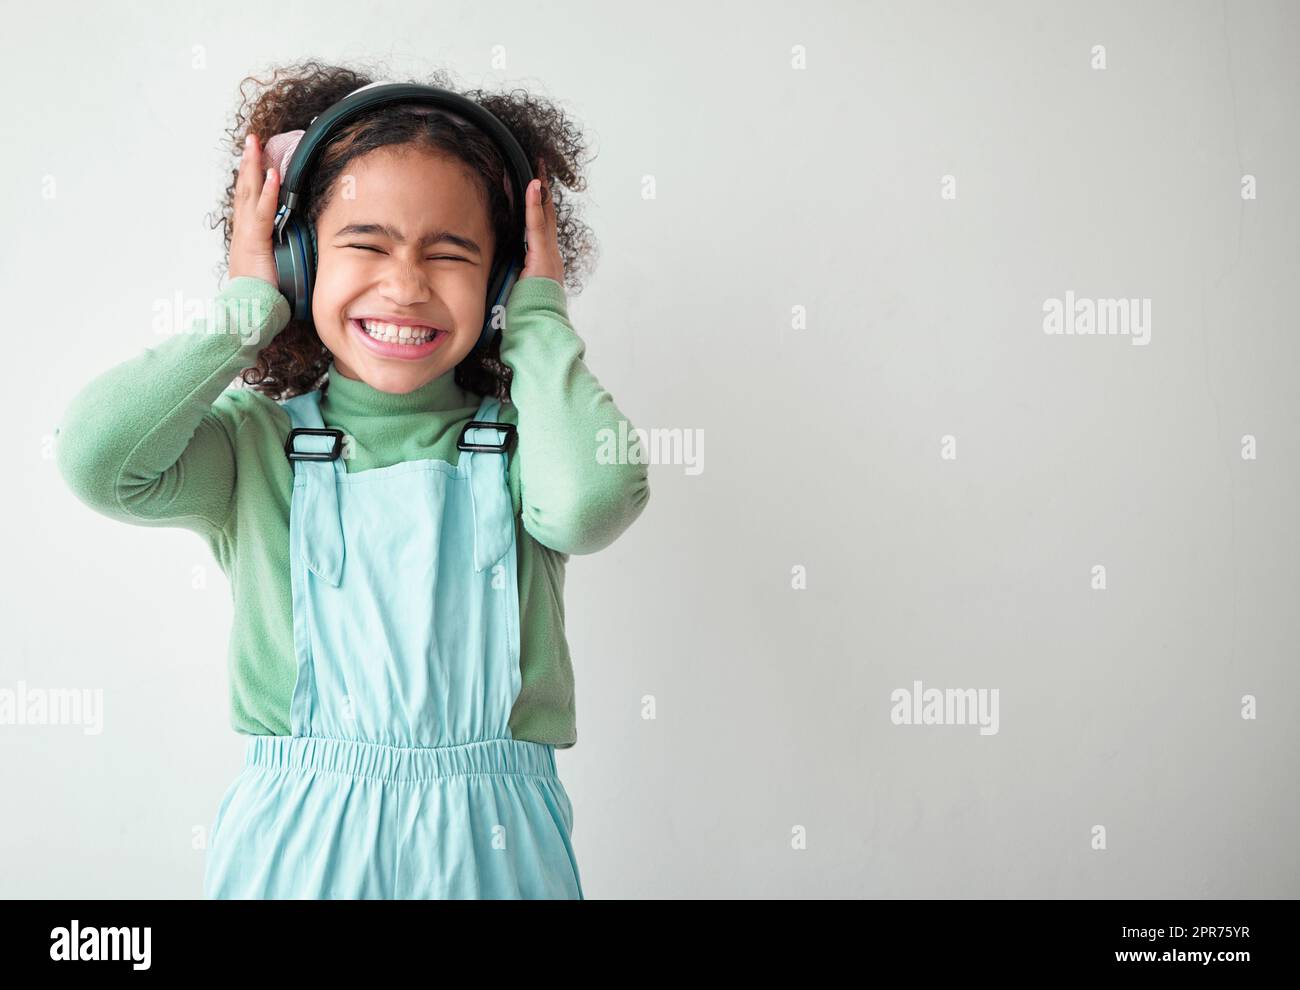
296	360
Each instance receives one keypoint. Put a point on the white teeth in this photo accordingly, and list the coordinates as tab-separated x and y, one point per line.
397	334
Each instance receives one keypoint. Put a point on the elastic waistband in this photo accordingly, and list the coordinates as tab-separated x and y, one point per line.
394	763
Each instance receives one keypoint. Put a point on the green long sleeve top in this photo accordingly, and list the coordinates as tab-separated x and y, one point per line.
164	439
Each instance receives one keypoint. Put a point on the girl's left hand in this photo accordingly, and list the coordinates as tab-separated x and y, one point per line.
543	254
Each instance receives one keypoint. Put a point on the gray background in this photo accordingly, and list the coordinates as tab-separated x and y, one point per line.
776	188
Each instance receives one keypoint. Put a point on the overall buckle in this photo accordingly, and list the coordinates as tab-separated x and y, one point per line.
314	455
500	448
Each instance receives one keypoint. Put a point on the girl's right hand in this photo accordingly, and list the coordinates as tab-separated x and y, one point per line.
257	193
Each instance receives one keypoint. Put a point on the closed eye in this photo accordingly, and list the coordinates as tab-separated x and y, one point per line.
436	257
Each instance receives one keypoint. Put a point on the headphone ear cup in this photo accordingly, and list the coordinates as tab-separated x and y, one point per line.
499	285
295	265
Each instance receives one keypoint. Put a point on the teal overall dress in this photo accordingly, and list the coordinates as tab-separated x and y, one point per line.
401	778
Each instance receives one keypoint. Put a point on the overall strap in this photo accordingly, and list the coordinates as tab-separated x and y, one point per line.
321	525
494	524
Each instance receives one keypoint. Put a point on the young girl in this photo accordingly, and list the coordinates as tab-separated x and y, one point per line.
398	657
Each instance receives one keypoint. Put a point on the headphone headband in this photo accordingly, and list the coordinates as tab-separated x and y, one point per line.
324	125
295	257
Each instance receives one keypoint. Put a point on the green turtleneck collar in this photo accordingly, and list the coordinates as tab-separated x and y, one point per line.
388	429
351	397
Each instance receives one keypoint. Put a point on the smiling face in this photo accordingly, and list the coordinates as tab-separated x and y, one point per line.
405	248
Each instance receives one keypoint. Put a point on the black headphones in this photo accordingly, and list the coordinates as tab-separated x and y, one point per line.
295	241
